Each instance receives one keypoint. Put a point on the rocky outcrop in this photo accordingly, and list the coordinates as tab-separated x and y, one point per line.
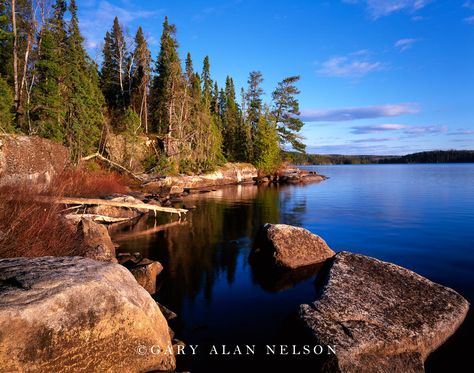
289	247
230	173
94	241
78	315
129	152
380	317
292	175
30	159
145	272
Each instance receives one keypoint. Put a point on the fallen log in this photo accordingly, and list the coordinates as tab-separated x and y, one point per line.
96	201
95	217
112	164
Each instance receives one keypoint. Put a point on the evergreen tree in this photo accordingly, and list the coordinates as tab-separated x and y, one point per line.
6	105
47	109
141	78
233	134
189	69
286	111
5	42
114	68
84	118
254	98
267	150
169	105
206	81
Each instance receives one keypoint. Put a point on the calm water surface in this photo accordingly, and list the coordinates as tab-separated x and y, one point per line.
417	216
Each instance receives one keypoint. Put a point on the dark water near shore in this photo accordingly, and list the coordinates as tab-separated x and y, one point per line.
417	216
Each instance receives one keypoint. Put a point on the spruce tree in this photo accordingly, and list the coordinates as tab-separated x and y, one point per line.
6	106
233	134
47	109
84	119
267	150
141	78
206	81
113	72
286	113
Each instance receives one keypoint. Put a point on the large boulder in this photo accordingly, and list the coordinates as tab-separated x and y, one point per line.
30	159
78	315
380	317
145	272
289	247
94	242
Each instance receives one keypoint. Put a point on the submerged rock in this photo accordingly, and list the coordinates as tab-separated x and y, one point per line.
79	315
380	317
289	247
145	272
94	241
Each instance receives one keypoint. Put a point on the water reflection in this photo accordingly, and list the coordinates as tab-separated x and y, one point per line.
205	247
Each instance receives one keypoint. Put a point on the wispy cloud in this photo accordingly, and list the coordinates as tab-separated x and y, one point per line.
462	132
382	8
97	17
405	44
375	139
469	4
354	65
469	20
361	112
406	129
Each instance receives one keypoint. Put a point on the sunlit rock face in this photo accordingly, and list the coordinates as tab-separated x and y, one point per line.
289	247
79	315
30	159
380	317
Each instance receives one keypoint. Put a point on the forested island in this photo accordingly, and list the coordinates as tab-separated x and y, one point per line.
50	87
437	156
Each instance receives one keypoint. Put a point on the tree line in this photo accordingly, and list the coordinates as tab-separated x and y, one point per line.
436	156
50	87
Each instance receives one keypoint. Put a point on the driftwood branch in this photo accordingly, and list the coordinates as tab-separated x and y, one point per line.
104	202
111	163
96	218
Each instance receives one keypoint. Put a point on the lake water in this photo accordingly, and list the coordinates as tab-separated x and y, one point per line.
418	216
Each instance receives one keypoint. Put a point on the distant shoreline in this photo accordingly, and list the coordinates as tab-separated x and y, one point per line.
431	157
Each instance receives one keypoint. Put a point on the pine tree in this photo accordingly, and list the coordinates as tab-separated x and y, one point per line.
169	107
5	42
114	68
286	111
84	119
233	134
206	81
267	150
6	105
47	102
141	78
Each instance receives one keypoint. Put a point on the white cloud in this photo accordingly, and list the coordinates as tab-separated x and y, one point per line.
354	65
382	8
97	17
469	20
405	44
360	112
406	129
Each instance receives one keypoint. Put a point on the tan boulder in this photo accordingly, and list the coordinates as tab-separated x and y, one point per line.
78	315
380	317
145	272
94	242
289	247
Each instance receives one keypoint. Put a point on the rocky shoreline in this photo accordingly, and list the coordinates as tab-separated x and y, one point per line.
94	311
90	311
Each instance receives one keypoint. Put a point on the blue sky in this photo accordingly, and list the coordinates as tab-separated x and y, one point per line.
377	76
